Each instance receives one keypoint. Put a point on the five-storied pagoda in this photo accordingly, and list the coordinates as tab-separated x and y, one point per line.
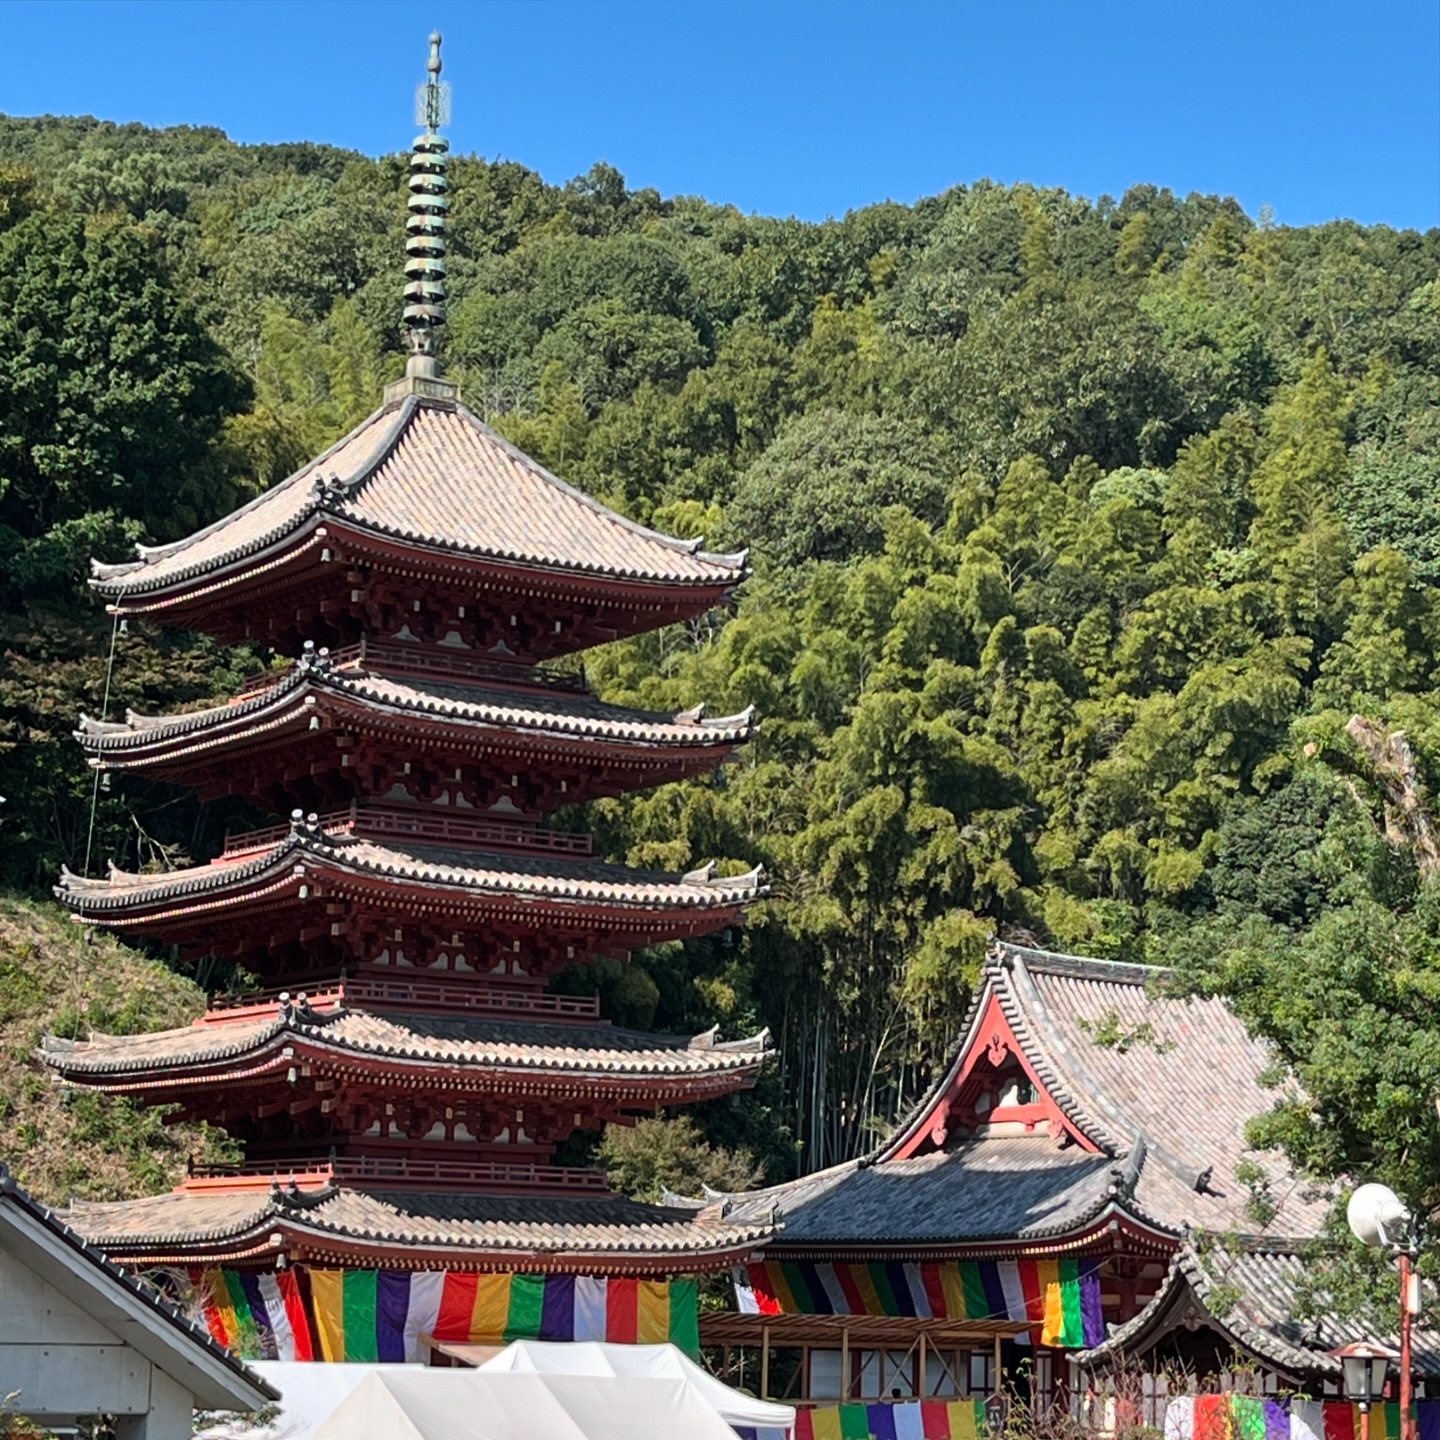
401	1085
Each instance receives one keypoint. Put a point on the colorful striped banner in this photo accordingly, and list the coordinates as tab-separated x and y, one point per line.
380	1315
1187	1417
1059	1298
1249	1417
907	1420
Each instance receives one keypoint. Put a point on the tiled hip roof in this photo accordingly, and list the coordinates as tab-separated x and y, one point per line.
456	1044
437	477
440	1230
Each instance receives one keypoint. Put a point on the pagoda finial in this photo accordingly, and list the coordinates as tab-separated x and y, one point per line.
425	226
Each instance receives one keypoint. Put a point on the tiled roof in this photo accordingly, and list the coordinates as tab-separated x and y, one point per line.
1162	1085
436	477
188	1332
992	1189
1126	1061
561	715
597	1051
1253	1293
470	874
461	1223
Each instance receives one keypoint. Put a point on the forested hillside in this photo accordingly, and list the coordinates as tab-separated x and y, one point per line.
1080	530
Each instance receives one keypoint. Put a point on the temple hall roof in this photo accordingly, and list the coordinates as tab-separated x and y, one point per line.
597	1052
1157	1087
1004	1188
557	715
460	1230
469	877
1261	1297
431	475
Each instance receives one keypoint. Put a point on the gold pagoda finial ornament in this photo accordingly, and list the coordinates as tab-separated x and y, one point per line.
424	313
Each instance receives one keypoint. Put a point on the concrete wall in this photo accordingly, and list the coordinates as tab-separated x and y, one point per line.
64	1363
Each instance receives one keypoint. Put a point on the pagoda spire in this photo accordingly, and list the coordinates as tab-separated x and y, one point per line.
424	313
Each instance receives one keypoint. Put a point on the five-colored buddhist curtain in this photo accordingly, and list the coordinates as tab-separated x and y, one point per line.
357	1315
1059	1298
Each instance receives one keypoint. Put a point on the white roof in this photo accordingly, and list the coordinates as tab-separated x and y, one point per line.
593	1357
468	1405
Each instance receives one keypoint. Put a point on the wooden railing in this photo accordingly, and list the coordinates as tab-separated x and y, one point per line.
405	1170
433	661
489	1000
427	826
422	994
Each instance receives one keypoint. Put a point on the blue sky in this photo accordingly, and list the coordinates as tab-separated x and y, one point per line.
1320	110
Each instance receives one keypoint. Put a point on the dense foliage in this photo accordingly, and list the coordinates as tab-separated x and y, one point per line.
1072	523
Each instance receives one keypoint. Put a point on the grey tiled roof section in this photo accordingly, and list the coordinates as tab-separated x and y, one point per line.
1188	1081
561	715
597	1050
192	1331
437	477
608	1225
1251	1293
1020	1188
473	873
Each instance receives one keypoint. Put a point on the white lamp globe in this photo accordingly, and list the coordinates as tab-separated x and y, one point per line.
1377	1216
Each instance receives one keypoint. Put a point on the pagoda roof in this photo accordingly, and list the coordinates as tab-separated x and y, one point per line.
430	475
1155	1090
315	681
1250	1292
470	879
600	1056
607	1235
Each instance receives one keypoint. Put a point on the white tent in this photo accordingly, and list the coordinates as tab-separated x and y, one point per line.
466	1405
593	1357
309	1393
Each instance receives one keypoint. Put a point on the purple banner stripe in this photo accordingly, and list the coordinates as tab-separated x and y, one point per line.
557	1308
392	1304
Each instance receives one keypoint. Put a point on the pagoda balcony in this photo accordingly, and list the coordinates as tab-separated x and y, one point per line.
410	995
426	826
386	1172
434	662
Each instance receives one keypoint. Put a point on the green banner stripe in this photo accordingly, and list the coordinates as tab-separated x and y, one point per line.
685	1315
881	1281
977	1302
359	1312
527	1300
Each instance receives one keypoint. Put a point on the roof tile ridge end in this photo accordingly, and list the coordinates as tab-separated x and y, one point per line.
684	547
148	553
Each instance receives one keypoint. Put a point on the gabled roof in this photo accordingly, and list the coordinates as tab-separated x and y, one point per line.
555	716
434	476
1127	1062
47	1244
1251	1293
469	878
1157	1088
451	1231
597	1055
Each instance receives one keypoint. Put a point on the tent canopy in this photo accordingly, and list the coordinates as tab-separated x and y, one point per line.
308	1394
468	1405
593	1357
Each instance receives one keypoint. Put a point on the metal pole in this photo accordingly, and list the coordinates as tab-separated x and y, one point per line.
765	1366
1364	1422
1407	1312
